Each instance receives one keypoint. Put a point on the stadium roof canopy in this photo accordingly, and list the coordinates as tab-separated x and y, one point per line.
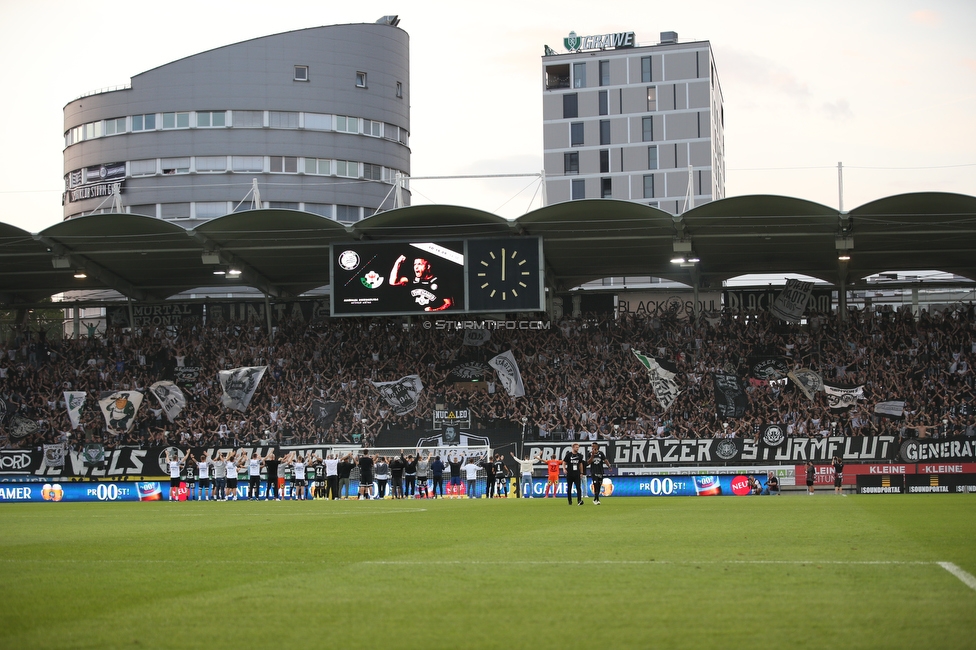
285	253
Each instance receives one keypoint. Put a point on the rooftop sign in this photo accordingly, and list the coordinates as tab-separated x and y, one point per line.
576	43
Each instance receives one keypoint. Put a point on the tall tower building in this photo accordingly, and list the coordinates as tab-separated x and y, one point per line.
633	122
315	119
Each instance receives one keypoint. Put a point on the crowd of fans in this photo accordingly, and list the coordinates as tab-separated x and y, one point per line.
581	378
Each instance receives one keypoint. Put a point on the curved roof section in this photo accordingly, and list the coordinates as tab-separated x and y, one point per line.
285	253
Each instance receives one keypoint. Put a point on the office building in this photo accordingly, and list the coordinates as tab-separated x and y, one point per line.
632	122
315	119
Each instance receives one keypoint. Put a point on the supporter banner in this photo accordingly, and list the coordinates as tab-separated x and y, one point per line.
4	410
187	376
767	368
164	315
791	302
120	409
730	397
476	337
54	455
820	300
712	451
402	395
680	305
74	401
503	440
94	454
20	427
239	386
256	313
170	397
894	409
957	448
508	373
325	413
841	398
469	371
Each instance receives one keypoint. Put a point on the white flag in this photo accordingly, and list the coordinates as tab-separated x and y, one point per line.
792	301
508	373
239	385
403	394
120	409
170	397
74	400
662	380
840	398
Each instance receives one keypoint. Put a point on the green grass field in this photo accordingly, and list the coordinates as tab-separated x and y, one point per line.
786	572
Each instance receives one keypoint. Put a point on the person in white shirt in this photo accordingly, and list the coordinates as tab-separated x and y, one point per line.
203	477
173	463
253	477
525	469
298	478
471	478
231	468
332	477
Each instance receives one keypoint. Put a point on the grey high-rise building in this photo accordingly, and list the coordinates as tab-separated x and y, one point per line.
633	122
318	117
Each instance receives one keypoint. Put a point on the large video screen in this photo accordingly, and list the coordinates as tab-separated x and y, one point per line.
382	278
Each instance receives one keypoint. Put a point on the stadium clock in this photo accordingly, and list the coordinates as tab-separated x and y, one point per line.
504	275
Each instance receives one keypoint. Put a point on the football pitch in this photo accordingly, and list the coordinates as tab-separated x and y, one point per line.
780	572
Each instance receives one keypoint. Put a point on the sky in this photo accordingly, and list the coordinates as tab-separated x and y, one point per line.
888	88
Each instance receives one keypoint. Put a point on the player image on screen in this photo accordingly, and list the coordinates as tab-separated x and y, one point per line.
423	285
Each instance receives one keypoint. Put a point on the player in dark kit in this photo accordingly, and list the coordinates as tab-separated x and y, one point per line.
596	460
573	464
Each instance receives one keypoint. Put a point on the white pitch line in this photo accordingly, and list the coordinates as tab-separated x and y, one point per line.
967	578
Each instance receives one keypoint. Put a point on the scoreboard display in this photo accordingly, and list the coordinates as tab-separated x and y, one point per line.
450	277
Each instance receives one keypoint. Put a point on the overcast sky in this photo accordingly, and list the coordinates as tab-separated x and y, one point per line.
887	87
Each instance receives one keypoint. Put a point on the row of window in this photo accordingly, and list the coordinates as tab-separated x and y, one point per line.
571	161
214	209
578	188
235	119
557	76
571	103
576	132
301	74
242	164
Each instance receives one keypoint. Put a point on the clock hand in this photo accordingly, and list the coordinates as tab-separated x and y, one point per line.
503	265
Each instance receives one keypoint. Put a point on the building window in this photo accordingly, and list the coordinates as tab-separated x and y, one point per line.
649	186
571	162
347	124
651	98
318	166
576	134
211	163
604	161
578	189
147	210
318	121
347	213
604	73
646	69
360	80
210	209
142	168
211	118
176	120
144	122
570	105
283	119
175	166
399	89
579	75
606	188
557	76
301	73
373	128
604	131
248	119
116	126
347	168
321	209
174	210
284	165
247	163
372	172
604	102
647	129
652	157
283	205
